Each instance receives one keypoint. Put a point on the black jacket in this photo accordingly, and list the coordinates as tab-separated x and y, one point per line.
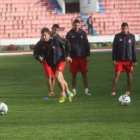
89	22
124	48
79	43
56	51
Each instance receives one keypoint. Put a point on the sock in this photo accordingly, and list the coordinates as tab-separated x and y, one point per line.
74	90
63	94
69	93
86	90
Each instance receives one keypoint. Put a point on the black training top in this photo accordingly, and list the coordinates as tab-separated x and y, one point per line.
54	51
79	43
124	48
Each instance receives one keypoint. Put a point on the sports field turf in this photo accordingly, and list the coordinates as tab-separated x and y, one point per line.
96	117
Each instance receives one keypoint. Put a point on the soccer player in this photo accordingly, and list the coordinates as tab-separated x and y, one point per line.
40	53
124	55
55	56
55	30
80	51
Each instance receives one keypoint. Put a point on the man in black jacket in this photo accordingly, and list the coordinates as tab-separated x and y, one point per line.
124	55
90	25
80	51
53	55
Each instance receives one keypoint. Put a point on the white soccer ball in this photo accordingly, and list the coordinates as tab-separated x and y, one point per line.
3	108
124	99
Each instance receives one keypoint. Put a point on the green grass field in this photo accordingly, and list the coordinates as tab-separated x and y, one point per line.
96	117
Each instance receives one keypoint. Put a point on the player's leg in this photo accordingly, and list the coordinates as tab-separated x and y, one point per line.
59	75
63	84
119	67
50	78
74	68
60	80
85	81
50	84
74	75
84	70
53	83
129	80
63	87
69	94
115	81
129	70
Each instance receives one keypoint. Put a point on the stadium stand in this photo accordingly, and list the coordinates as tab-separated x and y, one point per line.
25	18
117	11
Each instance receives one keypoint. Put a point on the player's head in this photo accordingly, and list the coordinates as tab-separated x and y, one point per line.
125	28
90	17
45	34
55	29
76	25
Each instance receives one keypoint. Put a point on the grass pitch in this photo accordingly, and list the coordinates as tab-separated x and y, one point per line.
96	117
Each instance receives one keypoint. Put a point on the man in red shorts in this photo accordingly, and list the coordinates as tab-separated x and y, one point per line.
40	51
54	56
124	55
80	51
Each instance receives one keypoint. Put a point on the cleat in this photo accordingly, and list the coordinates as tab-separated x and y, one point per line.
51	94
87	93
70	97
62	99
113	93
128	92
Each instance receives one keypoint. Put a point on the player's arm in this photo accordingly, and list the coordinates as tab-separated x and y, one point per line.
114	50
67	50
65	42
69	59
134	53
68	36
87	45
38	53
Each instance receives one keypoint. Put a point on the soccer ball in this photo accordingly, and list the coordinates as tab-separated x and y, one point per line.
3	108
124	99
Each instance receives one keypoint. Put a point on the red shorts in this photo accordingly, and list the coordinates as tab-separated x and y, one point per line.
51	70
78	65
124	66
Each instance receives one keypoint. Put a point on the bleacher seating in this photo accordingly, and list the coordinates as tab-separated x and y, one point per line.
25	18
117	11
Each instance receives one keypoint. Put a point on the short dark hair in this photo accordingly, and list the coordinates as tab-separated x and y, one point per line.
45	30
76	21
55	26
124	24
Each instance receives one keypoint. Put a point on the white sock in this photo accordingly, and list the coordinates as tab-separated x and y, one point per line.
69	93
63	94
86	90
74	90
